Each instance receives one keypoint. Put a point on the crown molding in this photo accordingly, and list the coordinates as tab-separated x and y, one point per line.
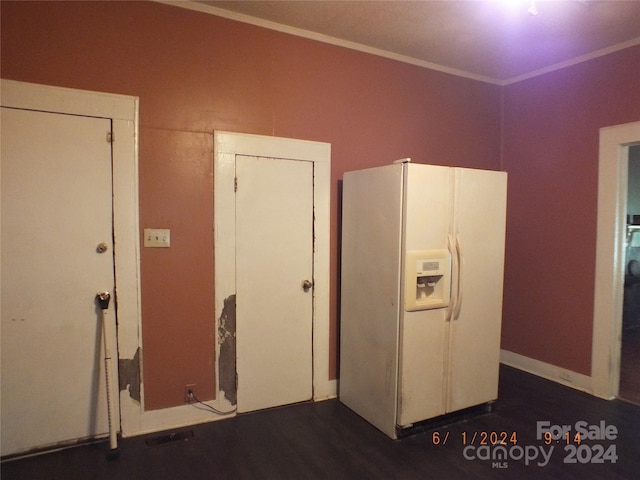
299	32
574	61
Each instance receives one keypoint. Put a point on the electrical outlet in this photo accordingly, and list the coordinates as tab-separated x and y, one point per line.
189	392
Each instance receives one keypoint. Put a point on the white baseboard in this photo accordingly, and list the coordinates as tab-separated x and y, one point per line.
546	370
188	415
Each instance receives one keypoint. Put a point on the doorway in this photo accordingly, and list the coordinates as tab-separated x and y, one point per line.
615	144
122	112
231	150
274	281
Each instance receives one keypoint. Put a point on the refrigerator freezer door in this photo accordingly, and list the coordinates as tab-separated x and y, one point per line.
423	333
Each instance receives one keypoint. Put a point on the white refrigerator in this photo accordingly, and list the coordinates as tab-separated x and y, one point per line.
421	291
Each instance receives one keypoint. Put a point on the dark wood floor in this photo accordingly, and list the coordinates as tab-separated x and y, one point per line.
326	440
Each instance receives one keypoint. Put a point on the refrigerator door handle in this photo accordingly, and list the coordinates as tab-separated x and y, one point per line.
454	268
458	304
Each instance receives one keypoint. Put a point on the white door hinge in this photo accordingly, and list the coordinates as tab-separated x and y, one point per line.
110	137
235	184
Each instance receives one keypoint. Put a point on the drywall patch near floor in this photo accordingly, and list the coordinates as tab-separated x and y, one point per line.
227	342
129	375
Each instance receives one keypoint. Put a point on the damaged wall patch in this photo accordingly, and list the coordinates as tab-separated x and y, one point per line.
227	342
129	375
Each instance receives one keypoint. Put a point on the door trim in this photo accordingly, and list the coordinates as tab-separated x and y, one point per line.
226	146
612	206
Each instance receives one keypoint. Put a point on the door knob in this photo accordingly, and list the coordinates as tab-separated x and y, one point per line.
307	285
103	299
102	247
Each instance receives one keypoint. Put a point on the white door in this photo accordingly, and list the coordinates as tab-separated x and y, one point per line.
56	210
274	257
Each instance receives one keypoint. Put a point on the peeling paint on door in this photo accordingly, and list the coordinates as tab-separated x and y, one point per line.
227	342
129	375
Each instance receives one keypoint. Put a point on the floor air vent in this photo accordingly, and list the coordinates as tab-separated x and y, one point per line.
169	438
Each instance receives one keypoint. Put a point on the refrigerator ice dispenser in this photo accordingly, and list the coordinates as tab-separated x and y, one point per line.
427	279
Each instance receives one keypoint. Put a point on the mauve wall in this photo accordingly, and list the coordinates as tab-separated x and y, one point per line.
551	138
195	73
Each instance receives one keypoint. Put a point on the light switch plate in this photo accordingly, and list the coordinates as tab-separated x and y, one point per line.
157	237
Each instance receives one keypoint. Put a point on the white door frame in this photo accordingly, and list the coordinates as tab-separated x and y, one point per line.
123	112
612	209
226	146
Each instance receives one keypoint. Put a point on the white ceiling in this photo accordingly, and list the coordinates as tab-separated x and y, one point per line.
496	41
